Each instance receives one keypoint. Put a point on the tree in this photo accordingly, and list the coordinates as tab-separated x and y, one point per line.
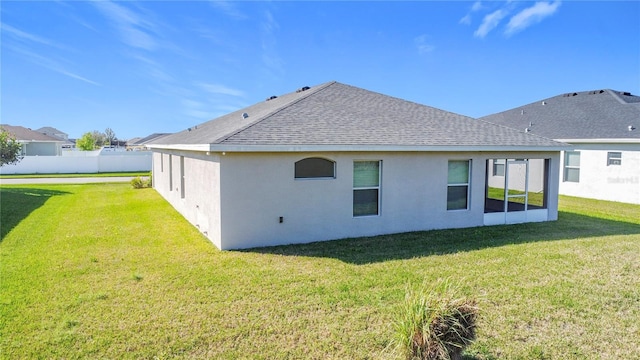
110	136
10	149
99	137
87	142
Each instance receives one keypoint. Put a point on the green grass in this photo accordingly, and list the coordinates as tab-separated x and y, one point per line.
106	271
74	175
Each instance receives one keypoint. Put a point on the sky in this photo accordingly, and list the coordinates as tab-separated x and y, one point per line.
144	67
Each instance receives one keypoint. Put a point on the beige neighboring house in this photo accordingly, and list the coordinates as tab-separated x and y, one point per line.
335	161
603	129
35	143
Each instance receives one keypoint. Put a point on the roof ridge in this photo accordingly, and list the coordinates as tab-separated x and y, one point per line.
315	89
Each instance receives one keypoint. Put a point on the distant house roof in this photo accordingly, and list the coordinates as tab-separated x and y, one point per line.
48	130
335	116
22	134
147	139
599	114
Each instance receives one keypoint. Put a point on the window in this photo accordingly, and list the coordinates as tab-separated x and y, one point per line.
170	172
182	177
571	166
315	168
458	185
366	188
498	167
614	158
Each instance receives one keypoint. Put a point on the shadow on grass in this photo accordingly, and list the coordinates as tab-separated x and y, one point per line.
17	203
438	242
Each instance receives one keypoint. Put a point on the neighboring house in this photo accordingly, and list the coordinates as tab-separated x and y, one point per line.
138	144
50	131
35	143
336	161
603	128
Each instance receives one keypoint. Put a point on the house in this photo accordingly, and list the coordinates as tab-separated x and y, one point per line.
53	132
335	161
138	144
35	143
603	127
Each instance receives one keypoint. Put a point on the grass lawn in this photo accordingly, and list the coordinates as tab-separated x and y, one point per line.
106	271
73	175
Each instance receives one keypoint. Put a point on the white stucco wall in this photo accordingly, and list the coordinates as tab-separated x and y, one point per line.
237	199
606	182
201	188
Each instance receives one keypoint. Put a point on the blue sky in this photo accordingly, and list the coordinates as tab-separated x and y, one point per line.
162	66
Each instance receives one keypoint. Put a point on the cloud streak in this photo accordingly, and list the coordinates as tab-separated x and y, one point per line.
490	22
134	30
531	15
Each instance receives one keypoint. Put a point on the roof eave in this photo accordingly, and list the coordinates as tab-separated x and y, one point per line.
600	141
358	148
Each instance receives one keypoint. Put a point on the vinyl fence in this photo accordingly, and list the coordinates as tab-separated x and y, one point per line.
82	162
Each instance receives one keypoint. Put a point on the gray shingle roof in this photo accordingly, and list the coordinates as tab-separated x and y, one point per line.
23	134
339	115
600	114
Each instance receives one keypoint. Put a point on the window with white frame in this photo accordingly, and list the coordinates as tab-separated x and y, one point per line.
571	166
458	184
315	168
366	188
614	158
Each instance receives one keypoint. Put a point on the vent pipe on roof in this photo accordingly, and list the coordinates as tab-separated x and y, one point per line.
304	88
631	127
544	103
272	97
245	115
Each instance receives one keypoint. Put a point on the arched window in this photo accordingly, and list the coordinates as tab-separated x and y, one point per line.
313	168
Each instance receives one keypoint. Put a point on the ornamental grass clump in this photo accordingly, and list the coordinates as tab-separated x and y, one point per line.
436	323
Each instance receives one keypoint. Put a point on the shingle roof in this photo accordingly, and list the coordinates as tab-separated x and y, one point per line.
147	139
600	114
339	115
48	130
24	134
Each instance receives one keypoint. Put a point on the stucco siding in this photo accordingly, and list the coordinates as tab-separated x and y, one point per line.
598	180
190	182
238	200
258	189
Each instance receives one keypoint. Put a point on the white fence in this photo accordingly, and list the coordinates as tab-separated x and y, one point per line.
80	162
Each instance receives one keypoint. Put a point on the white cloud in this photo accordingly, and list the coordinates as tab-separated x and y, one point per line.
22	35
218	89
531	15
489	22
477	6
49	63
423	45
134	30
228	8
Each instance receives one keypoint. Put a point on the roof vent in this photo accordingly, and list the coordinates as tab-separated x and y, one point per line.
594	92
631	128
245	115
522	112
544	103
570	94
527	130
272	97
304	88
625	93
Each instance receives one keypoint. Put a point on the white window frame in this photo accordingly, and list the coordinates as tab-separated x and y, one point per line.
614	158
566	166
467	184
378	188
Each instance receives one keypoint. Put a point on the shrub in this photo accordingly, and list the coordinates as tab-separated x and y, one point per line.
137	182
150	180
435	323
